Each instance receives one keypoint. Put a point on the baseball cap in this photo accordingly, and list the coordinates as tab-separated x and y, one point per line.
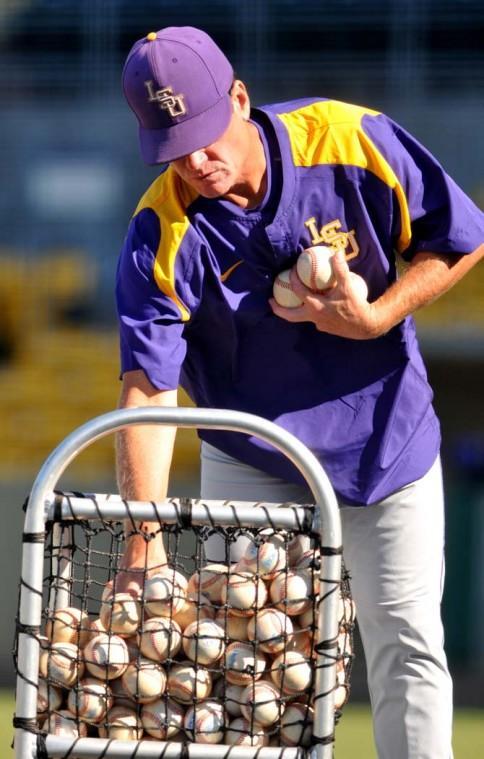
177	83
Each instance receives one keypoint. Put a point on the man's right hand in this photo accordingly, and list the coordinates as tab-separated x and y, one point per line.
141	559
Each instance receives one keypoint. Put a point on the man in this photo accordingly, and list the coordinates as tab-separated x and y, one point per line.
245	191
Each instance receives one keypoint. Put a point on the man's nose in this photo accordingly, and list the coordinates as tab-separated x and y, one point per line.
196	159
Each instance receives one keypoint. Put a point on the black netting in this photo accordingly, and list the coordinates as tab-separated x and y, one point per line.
216	652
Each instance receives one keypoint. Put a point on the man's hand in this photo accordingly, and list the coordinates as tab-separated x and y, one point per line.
142	557
339	311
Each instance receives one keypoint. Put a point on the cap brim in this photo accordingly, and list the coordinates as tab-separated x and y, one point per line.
164	145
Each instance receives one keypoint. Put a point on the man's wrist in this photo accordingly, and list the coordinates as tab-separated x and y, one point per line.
144	547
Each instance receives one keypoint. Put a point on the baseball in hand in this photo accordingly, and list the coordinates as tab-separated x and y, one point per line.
283	293
359	286
314	268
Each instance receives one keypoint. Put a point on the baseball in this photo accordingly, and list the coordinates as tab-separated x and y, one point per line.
240	732
341	695
160	638
235	627
359	286
231	696
297	724
261	703
65	725
194	608
265	558
292	673
120	614
110	589
144	680
314	268
302	641
204	723
49	698
132	646
346	611
271	629
203	642
244	594
291	591
120	694
121	724
94	627
61	664
282	291
165	593
209	581
309	564
106	656
309	559
243	664
187	682
162	719
345	648
298	545
90	700
69	625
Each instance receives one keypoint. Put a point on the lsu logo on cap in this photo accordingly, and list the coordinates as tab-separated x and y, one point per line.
166	99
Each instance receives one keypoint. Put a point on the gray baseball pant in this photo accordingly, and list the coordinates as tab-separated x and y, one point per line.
393	550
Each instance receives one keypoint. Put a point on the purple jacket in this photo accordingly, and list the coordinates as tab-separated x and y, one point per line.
195	276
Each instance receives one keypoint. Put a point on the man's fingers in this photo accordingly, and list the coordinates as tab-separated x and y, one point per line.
341	270
299	287
298	314
289	314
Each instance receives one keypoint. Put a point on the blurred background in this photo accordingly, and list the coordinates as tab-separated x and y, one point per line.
72	175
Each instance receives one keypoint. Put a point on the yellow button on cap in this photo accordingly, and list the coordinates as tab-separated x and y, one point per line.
151	36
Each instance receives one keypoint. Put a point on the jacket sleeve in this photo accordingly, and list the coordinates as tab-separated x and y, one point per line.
441	217
152	321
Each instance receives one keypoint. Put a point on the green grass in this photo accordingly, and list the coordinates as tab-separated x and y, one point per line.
353	734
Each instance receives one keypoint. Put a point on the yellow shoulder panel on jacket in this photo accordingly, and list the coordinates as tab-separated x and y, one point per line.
169	198
315	140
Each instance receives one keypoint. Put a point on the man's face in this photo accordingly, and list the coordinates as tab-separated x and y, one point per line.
213	171
226	166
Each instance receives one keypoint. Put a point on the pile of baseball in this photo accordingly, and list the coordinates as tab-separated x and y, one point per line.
314	269
226	656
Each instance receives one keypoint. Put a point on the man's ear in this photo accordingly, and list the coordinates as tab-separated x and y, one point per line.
240	99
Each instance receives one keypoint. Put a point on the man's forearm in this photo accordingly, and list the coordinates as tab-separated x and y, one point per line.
426	279
143	460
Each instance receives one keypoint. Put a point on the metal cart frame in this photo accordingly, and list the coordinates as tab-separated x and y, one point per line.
43	506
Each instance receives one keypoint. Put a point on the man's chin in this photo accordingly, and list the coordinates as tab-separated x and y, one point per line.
212	192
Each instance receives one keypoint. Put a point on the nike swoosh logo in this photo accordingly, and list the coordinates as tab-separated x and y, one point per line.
226	274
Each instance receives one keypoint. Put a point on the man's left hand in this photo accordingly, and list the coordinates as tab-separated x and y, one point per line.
339	311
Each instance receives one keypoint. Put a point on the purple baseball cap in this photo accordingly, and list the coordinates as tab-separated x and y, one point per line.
177	82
